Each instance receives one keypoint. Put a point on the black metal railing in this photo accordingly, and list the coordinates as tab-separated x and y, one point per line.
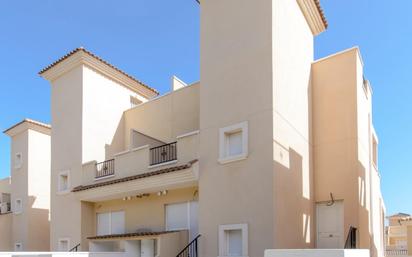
163	153
75	249
351	239
191	249
104	169
395	252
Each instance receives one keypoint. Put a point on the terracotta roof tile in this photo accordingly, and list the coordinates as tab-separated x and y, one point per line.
137	234
101	60
135	177
322	14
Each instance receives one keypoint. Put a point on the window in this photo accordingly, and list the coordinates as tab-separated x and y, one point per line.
18	247
182	216
110	223
177	216
233	240
64	182
233	143
18	160
64	245
18	206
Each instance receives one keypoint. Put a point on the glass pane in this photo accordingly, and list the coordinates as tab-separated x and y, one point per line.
235	143
176	216
118	223
103	224
234	242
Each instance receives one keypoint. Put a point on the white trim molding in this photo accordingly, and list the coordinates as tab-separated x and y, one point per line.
223	244
223	134
188	134
61	240
18	160
19	210
59	181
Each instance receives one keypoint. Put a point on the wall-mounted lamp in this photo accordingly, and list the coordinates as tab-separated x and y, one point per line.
160	193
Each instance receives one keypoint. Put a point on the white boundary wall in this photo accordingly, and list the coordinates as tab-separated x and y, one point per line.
317	253
61	254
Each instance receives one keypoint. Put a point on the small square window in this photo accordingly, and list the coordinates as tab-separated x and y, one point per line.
18	206
18	247
233	240
18	160
233	143
64	245
64	182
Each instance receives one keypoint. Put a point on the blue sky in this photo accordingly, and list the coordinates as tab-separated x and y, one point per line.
155	39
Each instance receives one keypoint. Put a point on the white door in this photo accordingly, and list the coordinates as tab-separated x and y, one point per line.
147	248
183	216
329	220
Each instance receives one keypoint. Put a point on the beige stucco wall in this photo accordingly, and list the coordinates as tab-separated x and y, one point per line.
5	185
66	154
250	72
6	232
39	191
342	141
293	188
236	86
19	190
31	184
166	117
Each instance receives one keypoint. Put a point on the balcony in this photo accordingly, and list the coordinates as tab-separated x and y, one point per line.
5	207
105	169
163	154
161	167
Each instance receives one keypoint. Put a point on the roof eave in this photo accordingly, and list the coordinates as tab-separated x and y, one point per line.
314	15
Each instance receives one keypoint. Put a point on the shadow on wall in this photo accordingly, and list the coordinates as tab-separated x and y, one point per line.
39	227
294	212
118	142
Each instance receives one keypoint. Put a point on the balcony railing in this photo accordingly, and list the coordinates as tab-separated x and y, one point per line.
5	208
163	154
396	252
104	169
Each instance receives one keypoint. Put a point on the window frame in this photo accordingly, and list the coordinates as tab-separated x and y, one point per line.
18	243
224	134
223	239
20	205
59	244
59	180
110	220
18	162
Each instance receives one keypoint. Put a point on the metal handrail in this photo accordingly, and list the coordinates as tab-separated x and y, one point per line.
351	239
104	169
191	250
163	153
75	249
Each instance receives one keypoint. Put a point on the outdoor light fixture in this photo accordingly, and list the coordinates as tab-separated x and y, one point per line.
160	193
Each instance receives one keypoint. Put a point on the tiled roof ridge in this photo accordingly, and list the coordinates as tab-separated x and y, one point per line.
99	59
321	12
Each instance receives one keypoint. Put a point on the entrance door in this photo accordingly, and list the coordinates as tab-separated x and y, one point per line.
329	220
183	216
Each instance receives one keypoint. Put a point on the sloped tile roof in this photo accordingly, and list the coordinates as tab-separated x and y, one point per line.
135	177
99	59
